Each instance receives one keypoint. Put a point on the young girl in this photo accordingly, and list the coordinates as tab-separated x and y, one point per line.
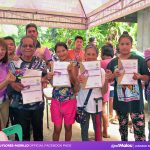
107	54
63	106
147	85
6	77
91	53
131	102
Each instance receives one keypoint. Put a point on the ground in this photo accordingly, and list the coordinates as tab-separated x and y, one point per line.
113	130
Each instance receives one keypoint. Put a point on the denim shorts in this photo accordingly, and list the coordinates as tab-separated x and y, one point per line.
111	93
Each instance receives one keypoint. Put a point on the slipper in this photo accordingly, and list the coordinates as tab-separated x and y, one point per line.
108	136
114	121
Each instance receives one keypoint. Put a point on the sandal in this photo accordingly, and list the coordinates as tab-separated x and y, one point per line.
106	136
114	121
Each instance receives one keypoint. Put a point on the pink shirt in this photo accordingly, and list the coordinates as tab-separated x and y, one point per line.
104	64
47	55
3	75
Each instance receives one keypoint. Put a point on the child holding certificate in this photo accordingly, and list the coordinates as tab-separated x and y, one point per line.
63	106
128	97
147	85
91	54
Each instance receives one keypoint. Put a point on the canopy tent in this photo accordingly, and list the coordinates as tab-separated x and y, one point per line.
75	14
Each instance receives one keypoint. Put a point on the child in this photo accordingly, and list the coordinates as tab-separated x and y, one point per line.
147	86
63	106
134	104
107	53
91	54
5	78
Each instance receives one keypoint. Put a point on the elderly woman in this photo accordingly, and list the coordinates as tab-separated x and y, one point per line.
31	113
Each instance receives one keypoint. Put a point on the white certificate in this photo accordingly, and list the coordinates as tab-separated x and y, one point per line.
32	73
127	69
61	76
33	89
91	72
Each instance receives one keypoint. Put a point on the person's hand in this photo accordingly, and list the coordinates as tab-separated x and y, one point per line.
81	79
117	73
15	58
50	75
69	42
79	59
10	77
136	76
69	67
49	65
44	81
17	86
108	75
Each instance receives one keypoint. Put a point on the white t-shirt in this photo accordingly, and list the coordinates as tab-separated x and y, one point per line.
111	88
96	93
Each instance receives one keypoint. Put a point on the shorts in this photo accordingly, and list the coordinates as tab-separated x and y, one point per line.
111	93
63	110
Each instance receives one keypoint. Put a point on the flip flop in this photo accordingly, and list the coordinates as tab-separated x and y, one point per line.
108	136
114	121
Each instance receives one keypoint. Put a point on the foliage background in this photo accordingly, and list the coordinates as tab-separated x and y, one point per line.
50	36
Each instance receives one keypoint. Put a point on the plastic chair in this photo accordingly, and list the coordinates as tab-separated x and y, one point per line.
48	103
15	129
48	97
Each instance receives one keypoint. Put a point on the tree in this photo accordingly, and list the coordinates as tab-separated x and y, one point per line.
19	35
103	33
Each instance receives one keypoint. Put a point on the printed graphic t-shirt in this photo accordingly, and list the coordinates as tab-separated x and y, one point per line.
129	98
20	67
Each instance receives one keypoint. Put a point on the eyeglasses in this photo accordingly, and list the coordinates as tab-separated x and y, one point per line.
25	46
122	44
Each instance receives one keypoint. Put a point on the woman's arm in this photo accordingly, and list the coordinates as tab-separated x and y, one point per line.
10	78
138	76
73	73
3	84
108	76
47	79
105	87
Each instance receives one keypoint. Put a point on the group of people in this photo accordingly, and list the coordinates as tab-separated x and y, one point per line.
66	100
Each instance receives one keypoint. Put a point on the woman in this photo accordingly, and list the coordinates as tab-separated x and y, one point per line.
128	99
31	113
6	78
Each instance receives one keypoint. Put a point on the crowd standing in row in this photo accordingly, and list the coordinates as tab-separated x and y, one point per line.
126	99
